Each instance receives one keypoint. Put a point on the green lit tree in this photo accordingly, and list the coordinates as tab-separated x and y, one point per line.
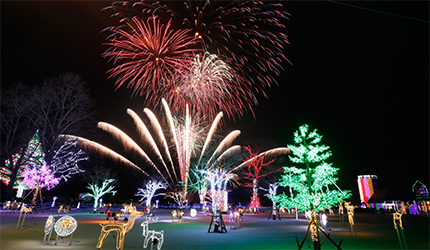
311	185
98	191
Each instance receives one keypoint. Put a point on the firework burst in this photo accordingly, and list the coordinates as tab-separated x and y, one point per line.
247	33
150	56
210	85
169	153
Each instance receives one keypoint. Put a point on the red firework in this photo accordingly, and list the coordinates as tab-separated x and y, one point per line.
150	56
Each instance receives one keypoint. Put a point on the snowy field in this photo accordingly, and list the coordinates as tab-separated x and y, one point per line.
373	231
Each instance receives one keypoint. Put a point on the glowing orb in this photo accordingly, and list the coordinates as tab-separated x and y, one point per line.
193	212
65	226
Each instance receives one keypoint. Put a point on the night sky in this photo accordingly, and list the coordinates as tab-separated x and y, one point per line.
359	73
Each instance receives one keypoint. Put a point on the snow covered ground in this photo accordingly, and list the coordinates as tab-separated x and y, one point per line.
373	231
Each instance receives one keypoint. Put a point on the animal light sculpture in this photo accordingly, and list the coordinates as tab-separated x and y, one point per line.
350	210
25	210
65	226
49	226
397	219
155	237
148	192
120	227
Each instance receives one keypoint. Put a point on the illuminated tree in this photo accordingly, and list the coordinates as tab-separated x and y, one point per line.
311	183
97	192
218	179
65	160
254	173
32	157
198	183
178	197
58	105
149	191
273	187
36	178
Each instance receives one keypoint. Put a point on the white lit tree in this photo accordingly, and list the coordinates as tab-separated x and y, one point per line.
311	184
97	192
273	188
148	192
65	160
218	179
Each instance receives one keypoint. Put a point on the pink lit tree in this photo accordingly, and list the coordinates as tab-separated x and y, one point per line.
38	178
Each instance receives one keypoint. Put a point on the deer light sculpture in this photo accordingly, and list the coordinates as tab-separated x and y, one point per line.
120	227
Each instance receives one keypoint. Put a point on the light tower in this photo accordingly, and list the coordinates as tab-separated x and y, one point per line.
365	187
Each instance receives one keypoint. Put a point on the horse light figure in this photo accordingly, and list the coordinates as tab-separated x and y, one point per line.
155	237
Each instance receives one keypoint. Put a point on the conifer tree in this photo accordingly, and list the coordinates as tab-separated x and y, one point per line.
312	184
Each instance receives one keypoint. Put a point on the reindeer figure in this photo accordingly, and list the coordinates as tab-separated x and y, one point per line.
155	237
174	215
14	207
64	209
120	227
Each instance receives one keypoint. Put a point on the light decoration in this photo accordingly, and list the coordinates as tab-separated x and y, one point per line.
38	178
20	191
193	212
234	219
341	213
97	192
254	173
5	172
148	192
178	197
30	158
174	215
53	201
120	227
365	187
311	183
49	226
65	226
64	209
218	179
25	210
155	237
397	220
324	220
350	210
273	187
65	160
